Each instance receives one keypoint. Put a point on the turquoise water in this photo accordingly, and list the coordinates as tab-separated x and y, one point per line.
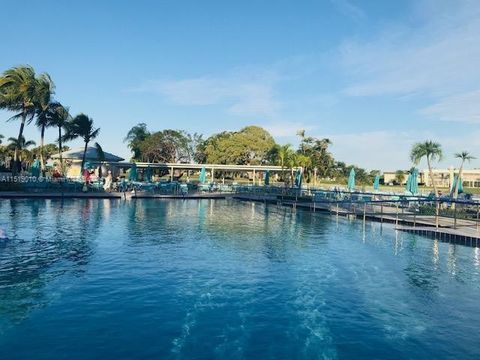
209	279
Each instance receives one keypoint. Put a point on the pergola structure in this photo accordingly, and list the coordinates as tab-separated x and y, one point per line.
254	169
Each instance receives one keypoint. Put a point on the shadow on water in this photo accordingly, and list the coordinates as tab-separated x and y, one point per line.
48	241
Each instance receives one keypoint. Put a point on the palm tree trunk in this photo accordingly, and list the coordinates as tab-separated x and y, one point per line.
20	134
42	140
431	177
84	155
455	193
60	149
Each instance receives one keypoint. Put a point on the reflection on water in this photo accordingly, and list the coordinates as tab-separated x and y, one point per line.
216	279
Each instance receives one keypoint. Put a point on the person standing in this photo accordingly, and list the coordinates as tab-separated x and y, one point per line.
107	186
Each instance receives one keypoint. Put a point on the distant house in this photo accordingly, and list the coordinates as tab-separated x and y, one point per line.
73	159
442	177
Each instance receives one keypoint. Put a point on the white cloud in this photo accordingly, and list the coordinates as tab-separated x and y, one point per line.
463	107
389	150
286	130
241	94
435	56
348	9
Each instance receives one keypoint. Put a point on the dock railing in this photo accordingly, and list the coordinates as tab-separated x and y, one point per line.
401	209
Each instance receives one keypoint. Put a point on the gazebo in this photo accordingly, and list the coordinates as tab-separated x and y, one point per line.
73	158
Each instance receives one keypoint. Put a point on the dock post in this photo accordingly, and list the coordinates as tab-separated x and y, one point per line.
414	217
364	212
337	207
437	210
478	210
455	216
396	218
381	212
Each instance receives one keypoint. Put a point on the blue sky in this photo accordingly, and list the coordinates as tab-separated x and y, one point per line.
373	76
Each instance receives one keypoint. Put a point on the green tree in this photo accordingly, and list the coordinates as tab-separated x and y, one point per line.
320	158
21	146
1	137
250	145
43	105
18	90
463	156
48	150
280	155
82	126
59	117
431	151
135	136
399	176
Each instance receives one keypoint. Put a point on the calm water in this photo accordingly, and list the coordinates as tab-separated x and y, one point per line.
216	279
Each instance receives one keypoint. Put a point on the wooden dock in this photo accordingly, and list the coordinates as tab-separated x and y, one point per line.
460	231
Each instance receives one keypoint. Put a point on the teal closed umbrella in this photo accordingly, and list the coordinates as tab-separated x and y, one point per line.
298	178
35	169
203	176
148	174
132	174
460	184
408	185
414	181
267	178
351	180
376	182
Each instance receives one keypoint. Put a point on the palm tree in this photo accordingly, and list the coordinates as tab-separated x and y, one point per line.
59	116
100	157
18	88
44	105
281	154
464	156
135	136
22	147
400	176
301	134
82	126
431	151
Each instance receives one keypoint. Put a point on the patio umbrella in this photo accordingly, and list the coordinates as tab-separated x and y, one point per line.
414	181
35	169
267	177
132	174
148	174
351	180
203	176
376	182
460	185
298	178
408	185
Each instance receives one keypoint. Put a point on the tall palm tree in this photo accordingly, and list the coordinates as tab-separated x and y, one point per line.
18	88
82	126
43	107
59	116
301	134
431	151
281	154
463	156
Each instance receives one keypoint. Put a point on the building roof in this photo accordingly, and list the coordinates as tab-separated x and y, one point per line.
91	155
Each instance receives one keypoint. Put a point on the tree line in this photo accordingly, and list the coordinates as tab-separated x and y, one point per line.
251	145
30	97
